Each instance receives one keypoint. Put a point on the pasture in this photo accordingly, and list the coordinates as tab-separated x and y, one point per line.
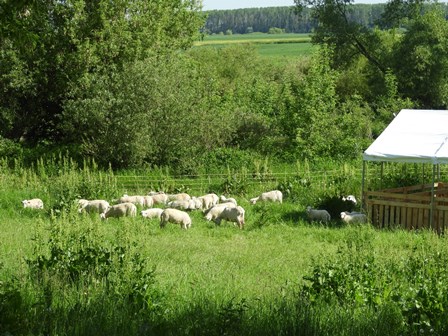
70	274
276	47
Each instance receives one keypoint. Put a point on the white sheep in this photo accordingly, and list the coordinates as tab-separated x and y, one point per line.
152	213
93	206
318	215
350	198
353	217
148	201
225	199
158	197
196	203
209	200
120	210
175	216
235	215
137	200
268	196
179	197
182	204
213	212
35	203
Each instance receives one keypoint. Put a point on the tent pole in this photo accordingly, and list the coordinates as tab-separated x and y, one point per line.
381	175
431	218
423	174
362	184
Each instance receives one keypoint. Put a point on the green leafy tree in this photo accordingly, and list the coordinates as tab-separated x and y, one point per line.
339	28
421	60
160	111
50	50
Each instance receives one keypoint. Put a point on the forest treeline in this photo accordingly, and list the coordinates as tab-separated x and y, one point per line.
113	82
249	20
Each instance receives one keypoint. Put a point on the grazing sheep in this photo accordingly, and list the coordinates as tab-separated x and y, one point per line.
235	215
182	204
224	199
148	201
196	203
94	206
137	200
152	213
35	203
269	196
82	202
213	212
353	217
209	200
175	216
159	197
318	215
179	197
120	210
350	198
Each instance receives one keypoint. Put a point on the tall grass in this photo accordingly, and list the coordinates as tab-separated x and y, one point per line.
63	273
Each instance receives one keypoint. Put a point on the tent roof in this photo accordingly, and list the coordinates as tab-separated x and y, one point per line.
419	136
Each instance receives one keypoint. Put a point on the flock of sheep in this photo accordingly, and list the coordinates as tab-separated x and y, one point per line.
174	208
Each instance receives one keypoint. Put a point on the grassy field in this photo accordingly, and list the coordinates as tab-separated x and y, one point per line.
63	273
278	47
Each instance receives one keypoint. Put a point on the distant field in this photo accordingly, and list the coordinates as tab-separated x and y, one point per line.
275	46
255	38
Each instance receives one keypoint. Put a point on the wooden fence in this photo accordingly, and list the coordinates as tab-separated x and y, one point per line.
409	207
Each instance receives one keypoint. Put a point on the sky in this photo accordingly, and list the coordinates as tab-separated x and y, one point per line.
235	4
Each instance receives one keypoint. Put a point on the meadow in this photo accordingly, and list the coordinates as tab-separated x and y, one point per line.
63	273
275	47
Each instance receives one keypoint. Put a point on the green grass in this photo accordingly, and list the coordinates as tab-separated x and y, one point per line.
128	275
277	47
285	51
255	38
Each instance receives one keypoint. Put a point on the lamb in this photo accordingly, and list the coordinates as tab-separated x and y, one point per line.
93	206
353	217
35	203
120	210
235	215
269	196
213	212
224	199
152	213
137	200
318	215
175	216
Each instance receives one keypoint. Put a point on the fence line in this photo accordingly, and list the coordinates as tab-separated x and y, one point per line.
135	182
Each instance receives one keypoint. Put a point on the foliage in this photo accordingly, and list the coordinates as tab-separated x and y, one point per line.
128	119
275	30
49	49
421	60
356	278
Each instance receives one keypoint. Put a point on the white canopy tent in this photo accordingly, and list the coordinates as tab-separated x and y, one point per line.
413	136
418	136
